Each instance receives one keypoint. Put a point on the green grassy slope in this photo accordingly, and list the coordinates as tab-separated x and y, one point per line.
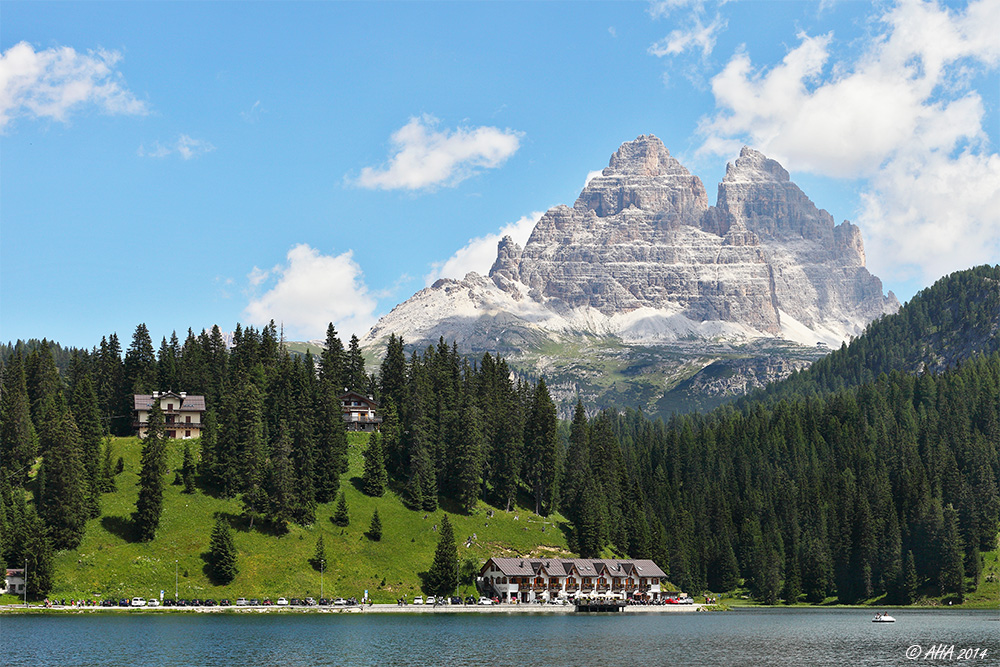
106	564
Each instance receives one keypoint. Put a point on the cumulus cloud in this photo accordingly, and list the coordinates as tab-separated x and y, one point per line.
479	253
311	290
53	83
185	146
901	115
425	157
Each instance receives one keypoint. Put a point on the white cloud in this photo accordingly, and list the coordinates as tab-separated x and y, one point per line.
695	35
312	290
252	115
479	253
424	157
185	146
901	115
591	175
929	215
54	82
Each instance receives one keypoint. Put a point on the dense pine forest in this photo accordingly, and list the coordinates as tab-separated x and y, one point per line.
874	473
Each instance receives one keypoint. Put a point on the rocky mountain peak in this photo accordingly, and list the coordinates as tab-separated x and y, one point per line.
752	165
642	174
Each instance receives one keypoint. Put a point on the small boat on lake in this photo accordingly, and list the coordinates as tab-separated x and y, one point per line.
883	618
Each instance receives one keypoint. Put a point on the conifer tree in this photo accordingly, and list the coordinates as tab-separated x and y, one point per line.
442	578
88	422
188	469
153	462
910	582
38	550
251	445
392	374
542	449
140	364
467	460
108	468
61	485
375	527
18	439
341	517
222	554
319	555
374	479
280	484
952	574
357	379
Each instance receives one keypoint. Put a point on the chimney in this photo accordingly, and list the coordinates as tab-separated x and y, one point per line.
184	394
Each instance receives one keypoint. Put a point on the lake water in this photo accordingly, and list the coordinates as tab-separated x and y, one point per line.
755	637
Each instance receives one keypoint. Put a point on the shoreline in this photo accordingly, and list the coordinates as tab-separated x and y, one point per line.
387	608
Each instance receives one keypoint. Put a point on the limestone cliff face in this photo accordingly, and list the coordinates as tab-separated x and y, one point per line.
642	257
641	235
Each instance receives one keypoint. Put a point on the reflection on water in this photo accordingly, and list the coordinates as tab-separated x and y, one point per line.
758	637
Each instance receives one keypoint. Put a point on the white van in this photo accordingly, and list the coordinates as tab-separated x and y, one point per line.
138	602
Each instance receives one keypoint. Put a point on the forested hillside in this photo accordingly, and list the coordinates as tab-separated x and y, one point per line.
273	434
956	318
871	473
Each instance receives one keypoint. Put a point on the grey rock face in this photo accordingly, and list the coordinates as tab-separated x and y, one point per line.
642	235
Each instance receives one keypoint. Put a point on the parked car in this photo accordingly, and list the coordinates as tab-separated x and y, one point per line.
457	599
282	602
470	600
225	603
138	602
485	601
310	602
431	599
242	602
340	602
153	602
418	600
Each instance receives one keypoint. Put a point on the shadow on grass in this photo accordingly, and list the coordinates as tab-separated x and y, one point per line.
241	523
121	526
357	483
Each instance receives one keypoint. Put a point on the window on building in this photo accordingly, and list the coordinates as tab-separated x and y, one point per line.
187	434
187	419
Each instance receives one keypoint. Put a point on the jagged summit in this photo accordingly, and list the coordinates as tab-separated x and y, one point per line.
642	257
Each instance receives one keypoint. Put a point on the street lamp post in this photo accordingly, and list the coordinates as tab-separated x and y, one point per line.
322	566
175	581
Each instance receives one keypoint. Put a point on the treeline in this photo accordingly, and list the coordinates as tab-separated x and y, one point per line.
879	489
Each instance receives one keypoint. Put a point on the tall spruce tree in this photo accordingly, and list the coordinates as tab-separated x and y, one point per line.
375	527
222	554
62	487
951	578
188	469
18	438
88	422
442	578
374	478
341	516
542	449
153	465
357	379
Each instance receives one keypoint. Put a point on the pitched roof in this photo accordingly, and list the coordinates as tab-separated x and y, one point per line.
586	567
187	403
359	397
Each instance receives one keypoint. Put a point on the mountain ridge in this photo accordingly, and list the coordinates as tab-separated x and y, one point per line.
642	259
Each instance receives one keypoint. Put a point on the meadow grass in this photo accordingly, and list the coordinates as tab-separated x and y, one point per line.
108	564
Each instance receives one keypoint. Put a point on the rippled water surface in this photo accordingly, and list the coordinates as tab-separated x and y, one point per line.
758	637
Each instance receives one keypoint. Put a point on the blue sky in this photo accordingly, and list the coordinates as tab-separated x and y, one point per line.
191	164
